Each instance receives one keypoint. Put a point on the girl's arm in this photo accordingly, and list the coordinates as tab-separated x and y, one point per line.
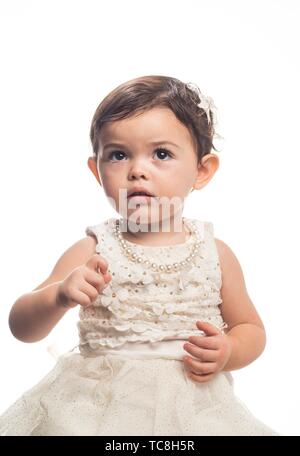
245	330
34	314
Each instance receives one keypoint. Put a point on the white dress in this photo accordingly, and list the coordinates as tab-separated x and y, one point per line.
128	377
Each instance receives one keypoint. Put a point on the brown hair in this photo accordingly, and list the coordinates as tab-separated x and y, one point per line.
146	92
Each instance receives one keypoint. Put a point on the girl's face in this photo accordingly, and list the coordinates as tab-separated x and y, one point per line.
152	150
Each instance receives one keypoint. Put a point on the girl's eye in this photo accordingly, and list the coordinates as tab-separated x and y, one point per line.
163	153
117	152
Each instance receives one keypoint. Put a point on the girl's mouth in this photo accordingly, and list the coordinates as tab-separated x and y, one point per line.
140	198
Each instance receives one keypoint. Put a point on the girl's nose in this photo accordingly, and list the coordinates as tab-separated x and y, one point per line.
138	169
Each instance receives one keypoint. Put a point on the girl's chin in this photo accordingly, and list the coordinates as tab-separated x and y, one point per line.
145	216
144	213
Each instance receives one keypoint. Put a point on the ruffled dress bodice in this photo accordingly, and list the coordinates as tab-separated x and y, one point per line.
140	305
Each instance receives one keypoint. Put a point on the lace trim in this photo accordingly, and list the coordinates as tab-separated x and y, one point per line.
144	334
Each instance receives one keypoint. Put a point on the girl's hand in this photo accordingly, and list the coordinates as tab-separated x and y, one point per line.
84	284
211	352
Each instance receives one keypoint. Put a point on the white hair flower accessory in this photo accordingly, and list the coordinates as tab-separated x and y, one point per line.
206	103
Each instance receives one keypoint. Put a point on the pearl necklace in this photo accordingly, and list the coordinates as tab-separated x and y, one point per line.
127	250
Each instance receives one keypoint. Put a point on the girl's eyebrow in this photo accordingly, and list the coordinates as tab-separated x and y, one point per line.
154	143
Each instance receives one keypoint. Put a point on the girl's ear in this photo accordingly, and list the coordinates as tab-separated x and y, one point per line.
93	167
206	170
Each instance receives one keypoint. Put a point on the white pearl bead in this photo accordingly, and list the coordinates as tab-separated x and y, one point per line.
169	267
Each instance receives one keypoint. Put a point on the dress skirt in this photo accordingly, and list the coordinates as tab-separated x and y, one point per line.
139	389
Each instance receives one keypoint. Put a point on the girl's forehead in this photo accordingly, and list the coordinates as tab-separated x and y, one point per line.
157	124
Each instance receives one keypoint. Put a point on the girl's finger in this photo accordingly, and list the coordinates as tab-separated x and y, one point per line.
96	263
93	277
90	291
208	342
198	367
200	378
81	298
107	277
208	328
200	353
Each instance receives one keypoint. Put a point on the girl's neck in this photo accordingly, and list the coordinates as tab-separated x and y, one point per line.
161	234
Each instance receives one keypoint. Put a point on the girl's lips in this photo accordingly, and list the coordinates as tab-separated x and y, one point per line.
140	198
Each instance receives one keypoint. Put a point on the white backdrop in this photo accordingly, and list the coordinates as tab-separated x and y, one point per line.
58	60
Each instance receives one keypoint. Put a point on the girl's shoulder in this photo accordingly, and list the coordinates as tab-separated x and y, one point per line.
73	257
225	253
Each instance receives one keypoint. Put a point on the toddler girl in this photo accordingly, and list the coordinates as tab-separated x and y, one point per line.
164	314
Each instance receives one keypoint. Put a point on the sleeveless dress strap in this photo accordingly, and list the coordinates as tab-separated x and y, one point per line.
210	239
99	232
206	230
95	231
